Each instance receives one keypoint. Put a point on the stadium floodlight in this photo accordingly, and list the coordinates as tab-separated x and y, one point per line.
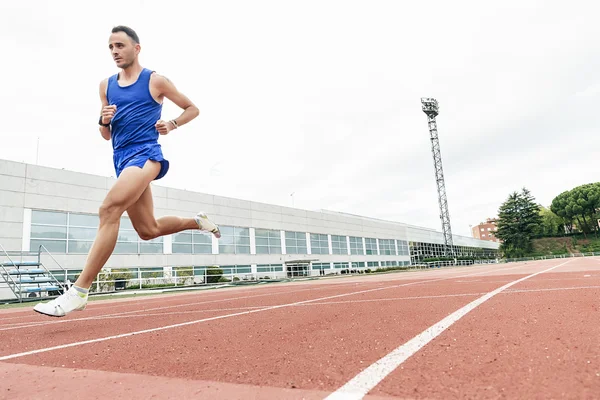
430	107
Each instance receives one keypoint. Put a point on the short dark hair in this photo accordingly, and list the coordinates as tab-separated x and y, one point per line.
128	31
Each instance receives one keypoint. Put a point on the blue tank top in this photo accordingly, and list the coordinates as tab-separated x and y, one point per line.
137	111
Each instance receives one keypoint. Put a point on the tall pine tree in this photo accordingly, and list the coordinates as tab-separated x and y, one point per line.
518	221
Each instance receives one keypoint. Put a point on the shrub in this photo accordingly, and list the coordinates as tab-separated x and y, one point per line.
214	274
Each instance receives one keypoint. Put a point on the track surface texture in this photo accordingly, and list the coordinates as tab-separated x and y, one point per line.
521	330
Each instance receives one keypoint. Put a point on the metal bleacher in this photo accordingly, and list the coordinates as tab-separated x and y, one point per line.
24	273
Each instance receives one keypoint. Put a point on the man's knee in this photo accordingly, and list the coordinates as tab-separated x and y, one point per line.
110	211
146	229
147	233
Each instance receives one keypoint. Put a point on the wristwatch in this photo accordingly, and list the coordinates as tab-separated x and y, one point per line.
101	124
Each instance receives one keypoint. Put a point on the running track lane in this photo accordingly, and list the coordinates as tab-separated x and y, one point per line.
537	339
308	346
46	332
9	316
42	331
22	330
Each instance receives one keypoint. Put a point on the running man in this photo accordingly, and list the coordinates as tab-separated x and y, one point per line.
131	117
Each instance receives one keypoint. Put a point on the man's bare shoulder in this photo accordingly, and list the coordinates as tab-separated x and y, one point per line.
104	83
161	79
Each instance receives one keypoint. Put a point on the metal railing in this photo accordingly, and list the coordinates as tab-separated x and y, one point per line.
139	278
124	279
16	285
111	280
65	272
551	257
7	275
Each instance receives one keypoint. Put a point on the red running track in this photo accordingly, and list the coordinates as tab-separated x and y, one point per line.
352	337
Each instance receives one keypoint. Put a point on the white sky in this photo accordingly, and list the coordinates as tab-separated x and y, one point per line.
322	98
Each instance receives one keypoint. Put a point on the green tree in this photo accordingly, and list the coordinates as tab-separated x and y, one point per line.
551	224
579	206
518	221
559	207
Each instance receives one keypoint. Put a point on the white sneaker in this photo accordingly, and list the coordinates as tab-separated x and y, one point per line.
69	301
206	224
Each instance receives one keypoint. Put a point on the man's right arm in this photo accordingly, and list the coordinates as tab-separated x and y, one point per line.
104	130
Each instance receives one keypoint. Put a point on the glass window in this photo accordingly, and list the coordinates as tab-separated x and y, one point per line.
48	232
356	246
267	241
269	268
79	247
402	247
82	233
39	217
340	265
153	246
234	240
339	245
236	269
84	220
53	246
62	232
295	243
387	247
319	243
192	242
371	245
48	229
319	266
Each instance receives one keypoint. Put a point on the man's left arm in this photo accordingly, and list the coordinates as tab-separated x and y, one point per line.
168	90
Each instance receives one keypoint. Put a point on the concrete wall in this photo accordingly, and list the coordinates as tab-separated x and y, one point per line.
12	201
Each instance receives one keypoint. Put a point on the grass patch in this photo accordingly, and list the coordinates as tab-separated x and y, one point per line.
565	245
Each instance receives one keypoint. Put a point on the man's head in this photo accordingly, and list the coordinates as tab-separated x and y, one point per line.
124	45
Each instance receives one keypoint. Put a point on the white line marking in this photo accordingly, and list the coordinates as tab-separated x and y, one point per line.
326	303
30	324
361	384
317	285
142	314
64	346
97	305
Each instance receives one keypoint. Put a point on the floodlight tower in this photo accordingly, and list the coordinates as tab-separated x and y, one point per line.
430	108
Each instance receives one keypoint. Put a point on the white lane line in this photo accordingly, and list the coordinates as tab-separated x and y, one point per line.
31	324
316	285
206	299
64	346
552	289
365	381
327	303
142	312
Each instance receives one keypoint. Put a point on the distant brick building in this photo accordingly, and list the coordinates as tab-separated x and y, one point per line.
485	230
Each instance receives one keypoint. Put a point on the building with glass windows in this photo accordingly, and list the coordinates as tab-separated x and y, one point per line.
58	209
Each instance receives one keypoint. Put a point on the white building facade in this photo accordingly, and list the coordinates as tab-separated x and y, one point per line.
59	210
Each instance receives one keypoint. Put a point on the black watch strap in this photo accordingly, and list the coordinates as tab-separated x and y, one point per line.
101	124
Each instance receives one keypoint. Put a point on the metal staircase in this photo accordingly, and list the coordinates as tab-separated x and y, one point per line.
24	273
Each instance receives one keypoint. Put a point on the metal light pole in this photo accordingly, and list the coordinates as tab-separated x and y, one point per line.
430	108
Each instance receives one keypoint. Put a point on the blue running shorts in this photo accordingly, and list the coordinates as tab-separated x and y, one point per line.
136	155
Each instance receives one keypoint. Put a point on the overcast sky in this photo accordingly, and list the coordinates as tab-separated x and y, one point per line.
322	98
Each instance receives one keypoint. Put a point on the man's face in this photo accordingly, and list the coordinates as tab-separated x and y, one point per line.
123	49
